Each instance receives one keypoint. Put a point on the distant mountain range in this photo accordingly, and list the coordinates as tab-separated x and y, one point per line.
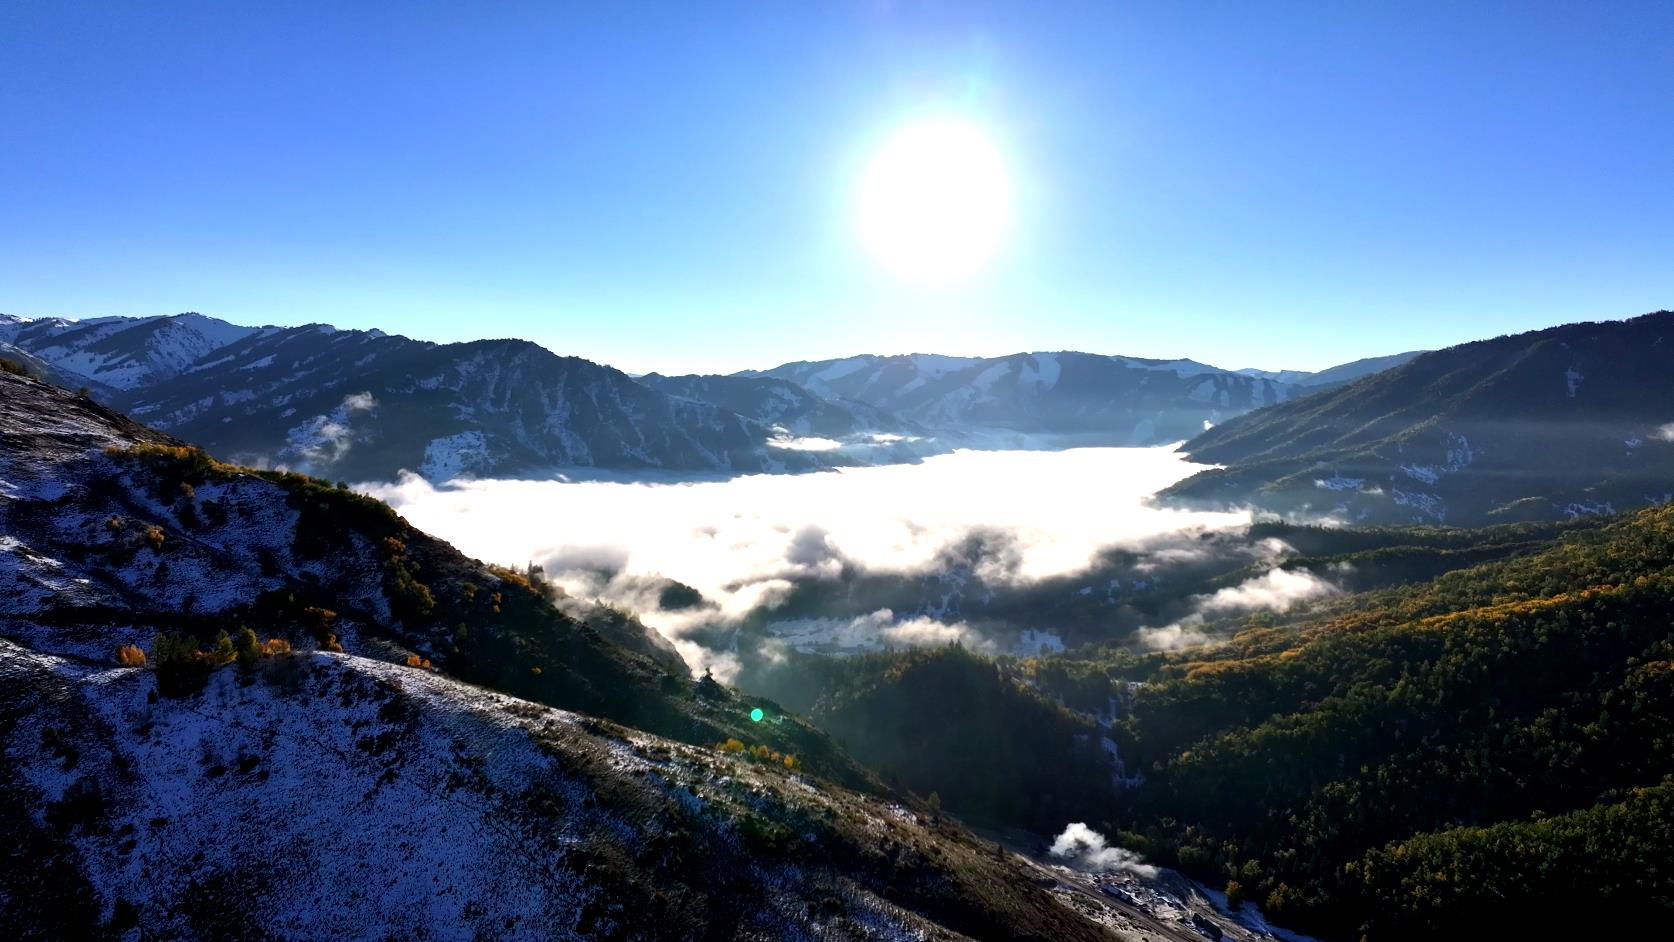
1057	398
363	404
1571	420
367	405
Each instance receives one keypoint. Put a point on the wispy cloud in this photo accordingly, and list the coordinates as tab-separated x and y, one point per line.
316	444
1276	590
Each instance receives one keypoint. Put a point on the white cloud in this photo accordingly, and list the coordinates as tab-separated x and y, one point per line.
1086	848
745	542
1664	432
1276	590
1185	633
322	441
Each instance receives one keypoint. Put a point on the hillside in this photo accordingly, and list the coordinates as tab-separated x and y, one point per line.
366	405
1412	761
1542	425
114	533
1334	375
330	796
1478	736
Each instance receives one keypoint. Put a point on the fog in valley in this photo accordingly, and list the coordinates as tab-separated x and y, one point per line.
998	550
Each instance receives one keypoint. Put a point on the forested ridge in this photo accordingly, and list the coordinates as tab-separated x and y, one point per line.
1396	763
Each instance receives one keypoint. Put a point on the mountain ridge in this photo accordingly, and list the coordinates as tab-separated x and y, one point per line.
1561	421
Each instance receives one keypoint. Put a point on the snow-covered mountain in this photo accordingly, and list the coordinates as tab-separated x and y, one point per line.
122	353
363	404
1042	398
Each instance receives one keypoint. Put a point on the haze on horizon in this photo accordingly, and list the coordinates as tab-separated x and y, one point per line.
660	188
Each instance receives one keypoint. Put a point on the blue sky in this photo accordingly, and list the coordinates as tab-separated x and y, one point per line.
669	185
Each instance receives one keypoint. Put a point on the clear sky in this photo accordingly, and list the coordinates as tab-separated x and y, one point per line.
671	186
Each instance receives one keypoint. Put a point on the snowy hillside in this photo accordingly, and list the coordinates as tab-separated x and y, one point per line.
122	353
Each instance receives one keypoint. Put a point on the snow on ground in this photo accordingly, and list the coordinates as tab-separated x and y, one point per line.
453	456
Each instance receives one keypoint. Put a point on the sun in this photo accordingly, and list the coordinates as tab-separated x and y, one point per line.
935	200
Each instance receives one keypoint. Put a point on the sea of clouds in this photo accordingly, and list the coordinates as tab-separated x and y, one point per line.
745	542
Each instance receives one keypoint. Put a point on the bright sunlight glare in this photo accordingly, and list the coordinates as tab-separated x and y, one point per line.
935	200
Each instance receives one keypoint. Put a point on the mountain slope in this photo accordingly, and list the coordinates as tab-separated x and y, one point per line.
783	404
122	353
329	796
1335	375
366	405
1417	762
1075	398
1556	422
113	532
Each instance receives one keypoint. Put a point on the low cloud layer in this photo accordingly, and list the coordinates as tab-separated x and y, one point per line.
1276	590
1086	849
745	543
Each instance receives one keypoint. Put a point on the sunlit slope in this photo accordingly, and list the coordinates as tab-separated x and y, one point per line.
1533	426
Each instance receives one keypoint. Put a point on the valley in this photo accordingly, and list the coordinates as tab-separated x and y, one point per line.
1082	646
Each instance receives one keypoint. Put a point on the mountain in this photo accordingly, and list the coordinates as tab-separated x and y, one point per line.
366	405
121	353
327	782
782	404
839	429
1046	398
1336	375
1551	423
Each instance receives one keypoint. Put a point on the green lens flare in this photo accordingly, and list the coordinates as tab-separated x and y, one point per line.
756	715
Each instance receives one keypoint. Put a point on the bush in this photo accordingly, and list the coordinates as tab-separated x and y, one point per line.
16	369
130	655
182	667
247	649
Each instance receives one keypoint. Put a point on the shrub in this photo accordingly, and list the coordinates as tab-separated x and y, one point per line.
276	646
130	655
182	667
247	650
730	745
16	369
154	535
